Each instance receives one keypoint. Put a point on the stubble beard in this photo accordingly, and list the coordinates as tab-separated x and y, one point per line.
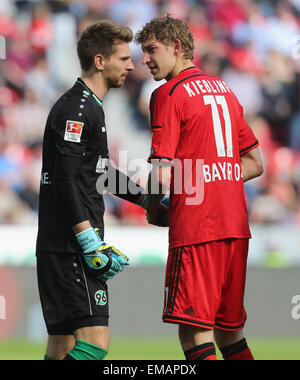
114	83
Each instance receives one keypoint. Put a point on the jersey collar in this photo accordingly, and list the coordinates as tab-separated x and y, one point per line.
188	68
99	102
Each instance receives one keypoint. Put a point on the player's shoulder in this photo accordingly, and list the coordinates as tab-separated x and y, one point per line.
182	77
166	91
166	88
174	86
82	98
162	93
78	102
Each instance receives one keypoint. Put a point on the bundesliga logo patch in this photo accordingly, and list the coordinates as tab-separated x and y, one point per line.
73	131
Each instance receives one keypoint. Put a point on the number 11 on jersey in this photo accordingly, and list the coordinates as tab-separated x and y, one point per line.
214	101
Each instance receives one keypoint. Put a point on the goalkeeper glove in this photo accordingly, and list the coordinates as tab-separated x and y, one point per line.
165	201
161	217
142	201
104	260
119	261
163	213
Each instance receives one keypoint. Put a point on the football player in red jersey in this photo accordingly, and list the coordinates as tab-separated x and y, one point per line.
203	151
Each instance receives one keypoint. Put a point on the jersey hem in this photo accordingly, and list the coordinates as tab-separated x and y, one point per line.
187	321
201	241
230	327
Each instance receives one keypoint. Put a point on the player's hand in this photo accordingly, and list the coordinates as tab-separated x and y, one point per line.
104	260
119	262
165	202
142	202
161	216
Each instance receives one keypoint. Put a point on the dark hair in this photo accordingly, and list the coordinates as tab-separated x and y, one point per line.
165	30
99	38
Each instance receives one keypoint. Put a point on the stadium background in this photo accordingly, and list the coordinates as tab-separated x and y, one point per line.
253	46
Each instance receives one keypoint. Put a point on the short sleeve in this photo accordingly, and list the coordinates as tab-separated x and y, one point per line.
247	139
165	125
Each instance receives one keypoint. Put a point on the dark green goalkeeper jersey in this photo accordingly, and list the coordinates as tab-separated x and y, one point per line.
75	155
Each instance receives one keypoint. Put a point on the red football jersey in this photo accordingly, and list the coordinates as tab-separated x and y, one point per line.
198	127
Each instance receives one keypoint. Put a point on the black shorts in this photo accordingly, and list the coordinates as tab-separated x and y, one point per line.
71	297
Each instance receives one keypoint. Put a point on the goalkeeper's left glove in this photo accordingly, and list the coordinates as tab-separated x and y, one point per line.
104	260
119	261
117	257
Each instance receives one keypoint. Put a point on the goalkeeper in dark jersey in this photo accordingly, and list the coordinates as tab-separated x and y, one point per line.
73	261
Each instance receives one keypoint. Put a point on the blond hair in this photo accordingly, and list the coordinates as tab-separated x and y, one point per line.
166	30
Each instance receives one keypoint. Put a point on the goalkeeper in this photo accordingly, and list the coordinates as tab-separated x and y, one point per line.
73	261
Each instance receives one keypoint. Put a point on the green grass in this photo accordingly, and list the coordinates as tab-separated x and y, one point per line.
155	349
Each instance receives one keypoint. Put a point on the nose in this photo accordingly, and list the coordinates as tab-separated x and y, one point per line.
145	59
130	65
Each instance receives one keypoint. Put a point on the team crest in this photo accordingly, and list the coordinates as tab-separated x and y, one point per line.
101	298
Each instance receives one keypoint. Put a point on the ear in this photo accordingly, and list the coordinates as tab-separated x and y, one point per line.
178	46
99	62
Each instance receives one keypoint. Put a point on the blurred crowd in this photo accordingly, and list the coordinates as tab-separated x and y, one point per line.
253	45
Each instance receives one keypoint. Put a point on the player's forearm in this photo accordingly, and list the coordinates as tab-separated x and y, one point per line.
158	185
67	190
82	226
159	181
251	169
122	186
133	192
251	164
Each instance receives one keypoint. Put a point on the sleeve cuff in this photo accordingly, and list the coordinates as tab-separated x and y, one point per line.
252	146
160	160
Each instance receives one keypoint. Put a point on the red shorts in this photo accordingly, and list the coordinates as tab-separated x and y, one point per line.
205	285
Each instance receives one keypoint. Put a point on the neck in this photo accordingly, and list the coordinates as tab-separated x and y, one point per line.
180	66
96	83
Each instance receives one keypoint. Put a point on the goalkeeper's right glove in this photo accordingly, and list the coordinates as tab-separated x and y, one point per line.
163	214
104	260
160	217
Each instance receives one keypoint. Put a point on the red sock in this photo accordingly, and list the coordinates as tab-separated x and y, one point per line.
237	351
206	351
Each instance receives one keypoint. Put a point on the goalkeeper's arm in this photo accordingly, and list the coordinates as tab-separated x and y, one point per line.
119	184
